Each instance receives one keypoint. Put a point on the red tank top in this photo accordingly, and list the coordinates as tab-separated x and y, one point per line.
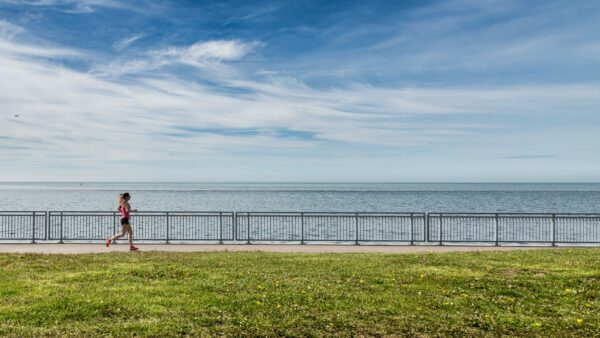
124	212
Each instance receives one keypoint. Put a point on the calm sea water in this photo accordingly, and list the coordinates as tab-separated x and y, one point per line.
305	197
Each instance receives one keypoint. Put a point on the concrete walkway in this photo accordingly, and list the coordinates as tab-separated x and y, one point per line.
320	248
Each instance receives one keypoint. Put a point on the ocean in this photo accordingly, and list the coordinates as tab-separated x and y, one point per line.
323	197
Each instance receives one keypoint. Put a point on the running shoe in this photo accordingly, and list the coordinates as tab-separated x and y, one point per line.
107	242
134	248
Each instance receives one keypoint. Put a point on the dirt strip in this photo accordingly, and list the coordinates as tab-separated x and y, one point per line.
309	248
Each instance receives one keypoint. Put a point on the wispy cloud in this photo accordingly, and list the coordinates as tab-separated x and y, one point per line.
75	6
126	42
201	52
76	3
28	50
80	9
458	42
8	30
205	55
255	13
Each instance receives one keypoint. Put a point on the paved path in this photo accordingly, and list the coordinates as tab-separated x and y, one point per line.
320	248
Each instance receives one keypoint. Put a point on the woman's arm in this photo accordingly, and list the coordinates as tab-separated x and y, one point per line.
128	208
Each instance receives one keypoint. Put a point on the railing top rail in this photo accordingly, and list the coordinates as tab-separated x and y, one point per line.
139	212
519	213
22	211
567	215
334	212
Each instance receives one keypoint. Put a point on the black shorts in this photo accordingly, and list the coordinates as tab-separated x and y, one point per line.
125	220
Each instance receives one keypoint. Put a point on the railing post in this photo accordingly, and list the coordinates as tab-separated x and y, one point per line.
426	227
220	227
412	222
248	221
553	229
497	228
301	228
47	226
356	227
234	221
61	228
441	231
33	229
167	228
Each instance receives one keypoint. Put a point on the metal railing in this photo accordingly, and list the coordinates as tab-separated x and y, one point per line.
330	227
148	225
499	228
23	225
302	227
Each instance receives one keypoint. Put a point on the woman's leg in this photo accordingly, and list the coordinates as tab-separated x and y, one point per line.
129	231
119	235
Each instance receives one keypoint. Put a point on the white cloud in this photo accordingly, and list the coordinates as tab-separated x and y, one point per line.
228	50
10	48
78	6
126	42
19	50
8	30
80	9
461	41
76	3
207	56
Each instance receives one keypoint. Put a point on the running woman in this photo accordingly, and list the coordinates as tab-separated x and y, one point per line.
125	209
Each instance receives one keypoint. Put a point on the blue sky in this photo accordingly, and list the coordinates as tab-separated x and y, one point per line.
406	91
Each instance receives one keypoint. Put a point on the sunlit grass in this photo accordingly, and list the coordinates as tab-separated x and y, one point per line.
524	293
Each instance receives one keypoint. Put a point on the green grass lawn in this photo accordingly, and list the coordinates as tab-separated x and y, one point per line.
522	293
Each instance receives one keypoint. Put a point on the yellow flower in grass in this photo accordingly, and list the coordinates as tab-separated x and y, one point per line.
579	321
536	325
